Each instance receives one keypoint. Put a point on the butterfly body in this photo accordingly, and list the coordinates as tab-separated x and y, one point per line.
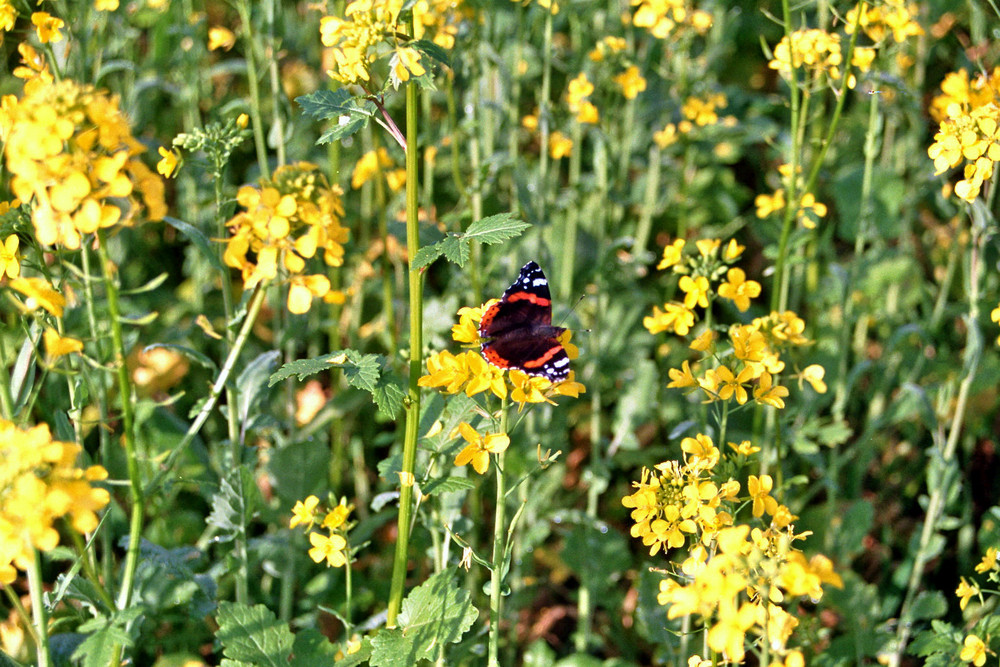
517	331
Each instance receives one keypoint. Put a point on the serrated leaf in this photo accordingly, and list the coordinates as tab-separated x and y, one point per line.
435	613
106	634
448	485
233	504
349	113
253	635
928	604
311	648
200	241
495	228
193	355
303	368
362	371
434	51
388	394
456	249
426	255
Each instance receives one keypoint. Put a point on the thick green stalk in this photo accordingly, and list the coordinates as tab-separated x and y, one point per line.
40	616
497	562
108	270
256	114
406	478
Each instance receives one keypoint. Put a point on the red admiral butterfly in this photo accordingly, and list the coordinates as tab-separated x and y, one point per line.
517	330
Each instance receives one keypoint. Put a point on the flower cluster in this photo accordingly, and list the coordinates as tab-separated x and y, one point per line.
969	132
72	156
734	577
809	210
469	372
288	220
974	648
819	53
368	30
879	20
331	545
577	98
664	18
40	483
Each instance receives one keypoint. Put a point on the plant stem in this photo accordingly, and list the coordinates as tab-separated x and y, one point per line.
497	562
406	478
108	270
943	472
38	612
243	7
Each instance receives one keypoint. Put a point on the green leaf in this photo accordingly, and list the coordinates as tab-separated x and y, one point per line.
253	635
200	241
448	485
434	614
360	657
928	604
193	355
311	648
251	381
426	255
299	469
105	635
363	371
496	229
350	113
432	50
234	503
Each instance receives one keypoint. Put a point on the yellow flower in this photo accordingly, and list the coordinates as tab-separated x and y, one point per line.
10	265
813	374
695	291
631	82
965	592
220	37
407	62
467	329
479	447
766	393
704	341
484	376
105	5
304	512
168	164
302	290
745	448
528	388
760	490
336	517
674	316
40	294
371	163
330	549
8	16
738	289
733	251
666	136
702	451
728	635
767	205
681	378
560	145
708	247
673	253
47	27
57	346
989	561
974	651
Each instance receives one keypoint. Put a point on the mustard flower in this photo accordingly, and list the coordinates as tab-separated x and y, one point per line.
738	289
330	548
10	265
58	346
40	483
672	254
729	634
369	165
8	16
973	650
989	562
703	111
40	294
560	145
674	316
631	82
304	512
768	205
966	592
73	157
665	137
695	291
479	447
168	163
682	378
813	374
814	49
105	5
769	393
893	17
760	493
47	27
220	37
337	517
730	385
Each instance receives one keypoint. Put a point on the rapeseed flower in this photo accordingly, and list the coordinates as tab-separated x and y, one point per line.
10	263
330	546
973	650
220	37
288	220
47	27
479	447
631	82
73	158
39	484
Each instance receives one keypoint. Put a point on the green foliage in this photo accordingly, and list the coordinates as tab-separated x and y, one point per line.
367	372
492	230
434	614
349	113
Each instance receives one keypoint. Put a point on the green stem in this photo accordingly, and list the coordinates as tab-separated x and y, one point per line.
497	562
6	400
256	114
406	478
253	310
944	474
128	426
40	615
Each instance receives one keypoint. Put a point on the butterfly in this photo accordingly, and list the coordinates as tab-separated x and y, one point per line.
517	330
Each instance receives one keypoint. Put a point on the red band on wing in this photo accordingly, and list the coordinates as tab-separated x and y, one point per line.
494	358
541	361
528	296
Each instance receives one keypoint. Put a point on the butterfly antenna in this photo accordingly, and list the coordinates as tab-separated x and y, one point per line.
568	312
